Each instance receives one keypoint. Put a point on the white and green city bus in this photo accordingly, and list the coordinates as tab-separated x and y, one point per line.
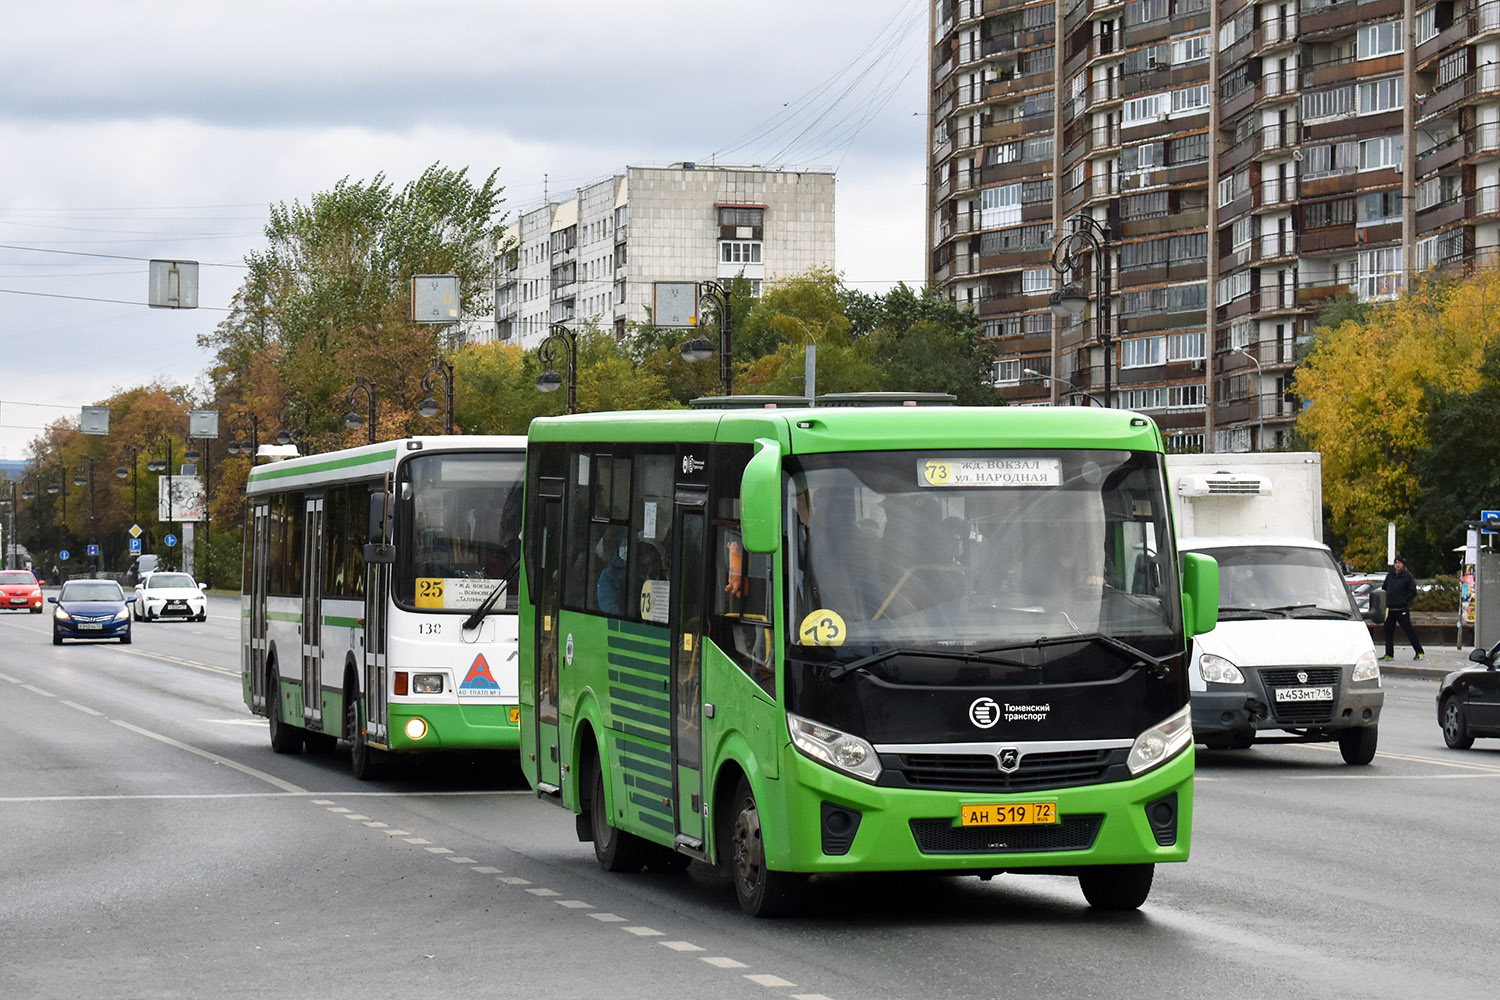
379	597
821	640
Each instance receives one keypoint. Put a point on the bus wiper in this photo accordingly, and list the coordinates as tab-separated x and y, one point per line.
840	669
485	605
1156	665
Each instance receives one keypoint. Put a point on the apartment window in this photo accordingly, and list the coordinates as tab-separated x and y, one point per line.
735	216
1007	326
1146	206
1035	280
1379	40
1235	286
1010	152
1325	214
1378	206
1007	372
1330	158
1144	253
1144	109
1038	322
1038	148
1016	238
1236	185
1190	99
1140	352
1184	444
1188	247
1189	50
739	252
1379	273
1242	232
1000	206
1380	95
1186	346
1078	175
1426	27
1188	149
1452	66
1380	154
1146	156
1036	105
1329	103
1033	192
1145	11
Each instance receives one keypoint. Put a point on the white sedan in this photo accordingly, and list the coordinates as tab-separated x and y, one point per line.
169	595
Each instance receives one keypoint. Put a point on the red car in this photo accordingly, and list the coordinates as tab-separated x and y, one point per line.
19	589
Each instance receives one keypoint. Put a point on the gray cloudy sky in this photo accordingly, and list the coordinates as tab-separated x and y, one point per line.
133	129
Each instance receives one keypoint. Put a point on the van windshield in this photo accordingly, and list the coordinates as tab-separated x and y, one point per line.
1280	581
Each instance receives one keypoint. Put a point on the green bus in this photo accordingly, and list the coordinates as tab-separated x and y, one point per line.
378	607
790	641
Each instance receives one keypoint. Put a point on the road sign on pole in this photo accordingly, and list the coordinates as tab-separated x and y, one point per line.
135	546
170	540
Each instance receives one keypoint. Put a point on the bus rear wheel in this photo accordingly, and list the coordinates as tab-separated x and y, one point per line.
762	892
1116	887
616	850
284	738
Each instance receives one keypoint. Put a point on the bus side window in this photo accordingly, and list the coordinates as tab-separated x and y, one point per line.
742	606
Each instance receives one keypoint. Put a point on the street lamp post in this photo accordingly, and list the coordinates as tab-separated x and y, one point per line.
699	348
80	478
158	465
549	380
352	419
132	471
1060	381
7	556
239	446
1089	235
1260	411
428	407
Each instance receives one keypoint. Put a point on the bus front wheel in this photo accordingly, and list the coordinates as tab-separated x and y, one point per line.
1116	887
616	850
762	892
284	738
364	760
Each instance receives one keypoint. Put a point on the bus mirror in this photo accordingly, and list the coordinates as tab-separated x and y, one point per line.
1200	592
760	499
377	554
380	502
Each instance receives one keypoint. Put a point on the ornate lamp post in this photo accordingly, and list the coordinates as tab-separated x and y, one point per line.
428	407
80	478
352	419
131	472
1032	372
699	348
239	445
158	465
1260	411
1089	235
549	380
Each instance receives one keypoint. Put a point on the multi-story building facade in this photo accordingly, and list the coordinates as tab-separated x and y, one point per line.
1248	161
597	257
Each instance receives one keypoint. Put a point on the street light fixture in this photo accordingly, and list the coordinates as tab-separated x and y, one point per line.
700	348
238	446
80	477
549	381
1089	235
1260	412
352	419
10	503
1093	400
428	407
131	471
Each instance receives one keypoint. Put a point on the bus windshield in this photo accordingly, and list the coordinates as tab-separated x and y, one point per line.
974	550
458	518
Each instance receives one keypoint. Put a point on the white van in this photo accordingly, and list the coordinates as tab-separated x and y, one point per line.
1290	660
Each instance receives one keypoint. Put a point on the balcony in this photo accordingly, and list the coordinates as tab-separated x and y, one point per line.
1328	239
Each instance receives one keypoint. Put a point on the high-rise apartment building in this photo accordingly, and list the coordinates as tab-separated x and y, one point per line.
596	257
1247	160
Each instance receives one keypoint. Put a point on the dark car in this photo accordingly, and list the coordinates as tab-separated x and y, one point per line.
1468	701
91	609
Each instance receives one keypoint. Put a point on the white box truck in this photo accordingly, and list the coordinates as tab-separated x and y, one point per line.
1290	660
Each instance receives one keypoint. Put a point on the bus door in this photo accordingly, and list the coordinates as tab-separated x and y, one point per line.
688	617
312	616
548	751
377	616
255	646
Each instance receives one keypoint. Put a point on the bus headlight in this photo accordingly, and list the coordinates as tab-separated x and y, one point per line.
836	749
426	683
416	728
1217	670
1366	668
1161	742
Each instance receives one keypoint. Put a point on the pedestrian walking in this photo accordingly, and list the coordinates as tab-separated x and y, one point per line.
1400	590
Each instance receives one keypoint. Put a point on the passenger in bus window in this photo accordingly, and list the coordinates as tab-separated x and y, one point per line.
610	589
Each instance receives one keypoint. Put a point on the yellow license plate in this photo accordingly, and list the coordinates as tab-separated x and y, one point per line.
1012	814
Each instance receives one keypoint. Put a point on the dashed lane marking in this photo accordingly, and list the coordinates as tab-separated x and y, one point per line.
725	963
765	979
36	690
269	779
84	709
680	945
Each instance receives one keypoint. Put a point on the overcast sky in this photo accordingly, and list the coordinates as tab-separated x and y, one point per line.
139	130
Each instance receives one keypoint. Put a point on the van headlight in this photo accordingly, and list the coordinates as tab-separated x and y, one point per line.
1217	670
1366	668
836	749
1161	742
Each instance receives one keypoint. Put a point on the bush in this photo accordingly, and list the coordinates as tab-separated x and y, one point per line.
1442	597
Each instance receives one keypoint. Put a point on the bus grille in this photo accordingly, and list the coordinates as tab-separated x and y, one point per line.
1301	713
940	836
981	772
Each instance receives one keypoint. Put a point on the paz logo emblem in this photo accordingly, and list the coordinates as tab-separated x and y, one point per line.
1302	677
1009	759
691	465
984	712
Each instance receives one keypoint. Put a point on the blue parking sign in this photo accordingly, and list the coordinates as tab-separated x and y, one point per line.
135	546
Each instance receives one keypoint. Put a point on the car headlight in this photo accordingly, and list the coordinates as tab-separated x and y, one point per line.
838	750
123	613
1217	670
1366	668
1161	742
62	615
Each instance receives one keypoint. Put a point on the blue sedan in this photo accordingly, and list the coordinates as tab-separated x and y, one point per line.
91	609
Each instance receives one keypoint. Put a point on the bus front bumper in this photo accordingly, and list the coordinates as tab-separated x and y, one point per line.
424	728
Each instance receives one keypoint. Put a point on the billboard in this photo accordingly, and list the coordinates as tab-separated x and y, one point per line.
180	499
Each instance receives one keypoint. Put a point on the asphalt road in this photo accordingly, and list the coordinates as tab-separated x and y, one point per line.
153	846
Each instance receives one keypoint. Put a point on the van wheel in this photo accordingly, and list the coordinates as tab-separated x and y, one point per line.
285	738
615	850
1116	887
761	891
1358	745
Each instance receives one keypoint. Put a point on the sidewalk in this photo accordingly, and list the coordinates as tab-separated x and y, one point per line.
1436	661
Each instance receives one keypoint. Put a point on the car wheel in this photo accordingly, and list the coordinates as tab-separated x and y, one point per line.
1358	745
762	892
614	849
36	611
125	639
284	738
56	638
1116	887
1455	727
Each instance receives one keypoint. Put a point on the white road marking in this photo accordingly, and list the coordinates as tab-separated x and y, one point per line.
461	861
513	880
437	850
810	996
418	840
36	690
339	809
8	677
574	904
377	825
487	870
269	779
356	817
725	963
545	893
765	979
608	918
679	945
642	931
84	709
